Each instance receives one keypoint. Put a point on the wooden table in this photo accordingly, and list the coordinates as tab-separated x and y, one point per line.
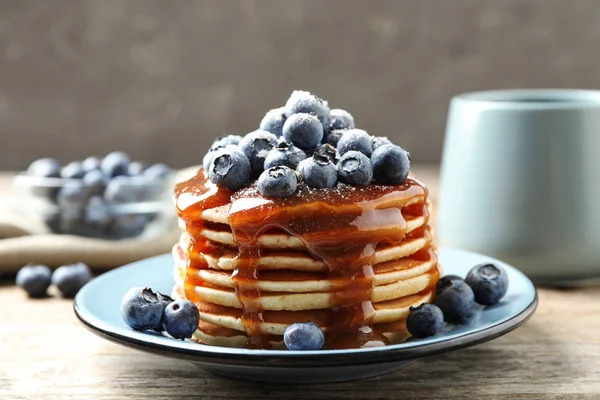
45	353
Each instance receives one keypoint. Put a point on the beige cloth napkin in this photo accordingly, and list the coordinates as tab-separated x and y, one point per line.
23	240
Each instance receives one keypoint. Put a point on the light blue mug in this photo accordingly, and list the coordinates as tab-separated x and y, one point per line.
520	180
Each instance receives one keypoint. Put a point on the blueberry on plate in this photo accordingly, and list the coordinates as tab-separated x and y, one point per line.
223	141
212	153
357	140
304	336
303	102
341	119
354	168
135	168
44	168
72	194
95	182
141	309
328	151
391	164
379	141
165	301
230	168
120	191
115	164
425	320
273	121
256	146
333	137
73	170
90	163
180	319
70	278
446	278
157	171
278	181
304	130
318	172
489	283
456	300
34	279
284	154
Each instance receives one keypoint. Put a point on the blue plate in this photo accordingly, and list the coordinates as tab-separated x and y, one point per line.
98	306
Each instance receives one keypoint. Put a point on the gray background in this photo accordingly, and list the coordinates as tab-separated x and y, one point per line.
160	79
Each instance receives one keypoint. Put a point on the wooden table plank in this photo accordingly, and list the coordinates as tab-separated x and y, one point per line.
46	353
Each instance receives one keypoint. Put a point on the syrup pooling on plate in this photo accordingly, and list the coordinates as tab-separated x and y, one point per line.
341	226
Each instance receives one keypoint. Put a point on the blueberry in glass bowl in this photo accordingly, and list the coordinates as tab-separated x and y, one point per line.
107	200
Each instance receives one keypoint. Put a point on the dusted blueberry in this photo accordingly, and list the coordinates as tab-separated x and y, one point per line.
115	164
318	172
256	146
157	171
304	130
304	336
44	168
230	168
333	137
341	119
95	182
70	278
328	151
34	279
277	182
379	141
357	140
90	164
72	194
304	102
141	309
165	301
73	170
273	121
425	320
456	300
208	157
391	164
135	168
489	283
284	154
119	191
223	141
180	319
354	168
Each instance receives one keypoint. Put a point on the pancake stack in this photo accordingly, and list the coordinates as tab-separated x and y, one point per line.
351	259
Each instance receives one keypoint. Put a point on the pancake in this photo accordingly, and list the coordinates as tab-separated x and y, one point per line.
351	259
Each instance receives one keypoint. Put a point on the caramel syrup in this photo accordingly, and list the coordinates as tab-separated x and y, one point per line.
341	226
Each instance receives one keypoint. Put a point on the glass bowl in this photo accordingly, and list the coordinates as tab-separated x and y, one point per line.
143	208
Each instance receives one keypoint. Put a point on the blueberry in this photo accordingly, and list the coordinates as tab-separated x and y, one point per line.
489	283
303	336
341	119
379	141
354	168
318	172
96	211
456	300
285	154
328	151
273	121
70	278
444	279
34	279
130	225
230	168
95	182
425	320
223	141
181	319
278	181
391	164
115	164
355	139
304	130
44	168
333	137
141	309
212	153
256	146
90	164
72	194
157	171
135	168
73	170
165	301
304	102
119	191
